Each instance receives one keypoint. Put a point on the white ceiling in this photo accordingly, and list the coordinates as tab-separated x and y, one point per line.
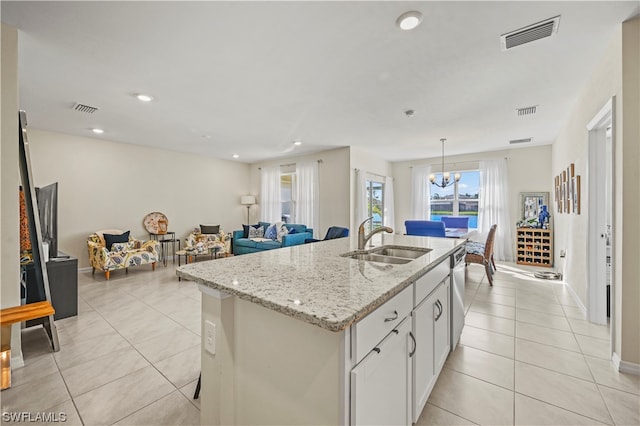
252	77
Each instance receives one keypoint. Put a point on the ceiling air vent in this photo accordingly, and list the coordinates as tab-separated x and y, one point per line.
533	32
85	108
530	110
526	140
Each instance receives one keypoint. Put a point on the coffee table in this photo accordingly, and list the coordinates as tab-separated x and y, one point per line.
190	255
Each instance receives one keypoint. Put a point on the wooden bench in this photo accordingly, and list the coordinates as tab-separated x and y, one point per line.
22	313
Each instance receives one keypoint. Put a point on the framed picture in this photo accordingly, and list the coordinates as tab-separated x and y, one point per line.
530	203
576	195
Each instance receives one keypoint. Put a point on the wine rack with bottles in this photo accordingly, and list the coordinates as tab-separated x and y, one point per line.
534	246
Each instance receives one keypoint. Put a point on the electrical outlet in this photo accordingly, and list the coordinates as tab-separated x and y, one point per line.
210	337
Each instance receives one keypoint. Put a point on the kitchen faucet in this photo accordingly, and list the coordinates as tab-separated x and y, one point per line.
362	239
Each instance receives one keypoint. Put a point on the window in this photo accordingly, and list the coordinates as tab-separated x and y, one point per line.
375	202
459	199
287	183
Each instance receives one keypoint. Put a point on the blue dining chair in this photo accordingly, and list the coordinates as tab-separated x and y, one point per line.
455	221
425	228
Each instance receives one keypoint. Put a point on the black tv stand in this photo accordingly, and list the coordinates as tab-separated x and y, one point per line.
63	285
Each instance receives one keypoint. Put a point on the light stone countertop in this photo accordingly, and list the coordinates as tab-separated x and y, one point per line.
313	283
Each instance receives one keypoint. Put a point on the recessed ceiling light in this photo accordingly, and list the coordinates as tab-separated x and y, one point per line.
297	143
235	156
144	98
409	20
98	131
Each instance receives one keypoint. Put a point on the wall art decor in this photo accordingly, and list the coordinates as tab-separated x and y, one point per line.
567	191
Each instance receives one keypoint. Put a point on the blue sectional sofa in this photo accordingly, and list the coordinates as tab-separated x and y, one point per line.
244	245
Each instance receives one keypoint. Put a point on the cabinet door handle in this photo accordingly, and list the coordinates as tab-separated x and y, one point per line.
439	305
377	350
415	345
392	319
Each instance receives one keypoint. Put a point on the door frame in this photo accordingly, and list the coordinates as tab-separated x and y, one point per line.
596	260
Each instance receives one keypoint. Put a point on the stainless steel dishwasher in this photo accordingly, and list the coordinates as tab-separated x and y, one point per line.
457	295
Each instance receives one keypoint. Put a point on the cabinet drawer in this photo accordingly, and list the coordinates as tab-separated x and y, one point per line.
366	333
429	281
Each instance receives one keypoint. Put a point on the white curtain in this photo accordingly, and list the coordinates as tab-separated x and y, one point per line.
420	193
270	205
493	206
389	203
362	211
307	194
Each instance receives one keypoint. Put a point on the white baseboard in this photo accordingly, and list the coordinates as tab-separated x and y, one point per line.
576	298
625	366
16	361
87	269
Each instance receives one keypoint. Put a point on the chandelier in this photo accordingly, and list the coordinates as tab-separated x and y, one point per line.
446	176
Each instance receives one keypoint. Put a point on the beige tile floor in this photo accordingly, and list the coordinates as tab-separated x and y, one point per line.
132	357
527	356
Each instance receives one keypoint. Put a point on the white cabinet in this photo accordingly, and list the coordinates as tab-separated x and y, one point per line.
430	323
381	382
370	330
398	350
441	340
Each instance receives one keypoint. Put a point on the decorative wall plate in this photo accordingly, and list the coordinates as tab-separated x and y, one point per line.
150	222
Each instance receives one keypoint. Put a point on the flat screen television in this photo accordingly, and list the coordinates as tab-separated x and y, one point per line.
47	199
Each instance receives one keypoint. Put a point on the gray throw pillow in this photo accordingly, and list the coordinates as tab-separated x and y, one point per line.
209	229
257	232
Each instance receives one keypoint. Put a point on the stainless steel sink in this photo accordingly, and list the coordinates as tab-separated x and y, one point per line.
380	258
409	253
389	254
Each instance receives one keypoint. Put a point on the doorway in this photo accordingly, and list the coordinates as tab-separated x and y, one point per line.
601	286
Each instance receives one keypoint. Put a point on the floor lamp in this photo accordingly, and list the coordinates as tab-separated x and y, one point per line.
248	200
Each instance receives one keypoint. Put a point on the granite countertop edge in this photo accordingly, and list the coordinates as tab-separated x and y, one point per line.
294	311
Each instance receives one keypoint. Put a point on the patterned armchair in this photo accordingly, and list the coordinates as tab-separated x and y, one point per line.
199	242
122	255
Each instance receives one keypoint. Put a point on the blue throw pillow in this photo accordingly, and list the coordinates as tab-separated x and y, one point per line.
292	231
271	232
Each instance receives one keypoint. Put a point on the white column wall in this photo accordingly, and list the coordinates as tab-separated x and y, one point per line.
369	163
10	170
333	173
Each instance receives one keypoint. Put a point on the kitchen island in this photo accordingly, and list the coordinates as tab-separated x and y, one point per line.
288	334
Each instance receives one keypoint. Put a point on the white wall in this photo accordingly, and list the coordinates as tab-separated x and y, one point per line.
529	170
571	146
371	164
105	184
333	174
617	74
10	171
627	225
